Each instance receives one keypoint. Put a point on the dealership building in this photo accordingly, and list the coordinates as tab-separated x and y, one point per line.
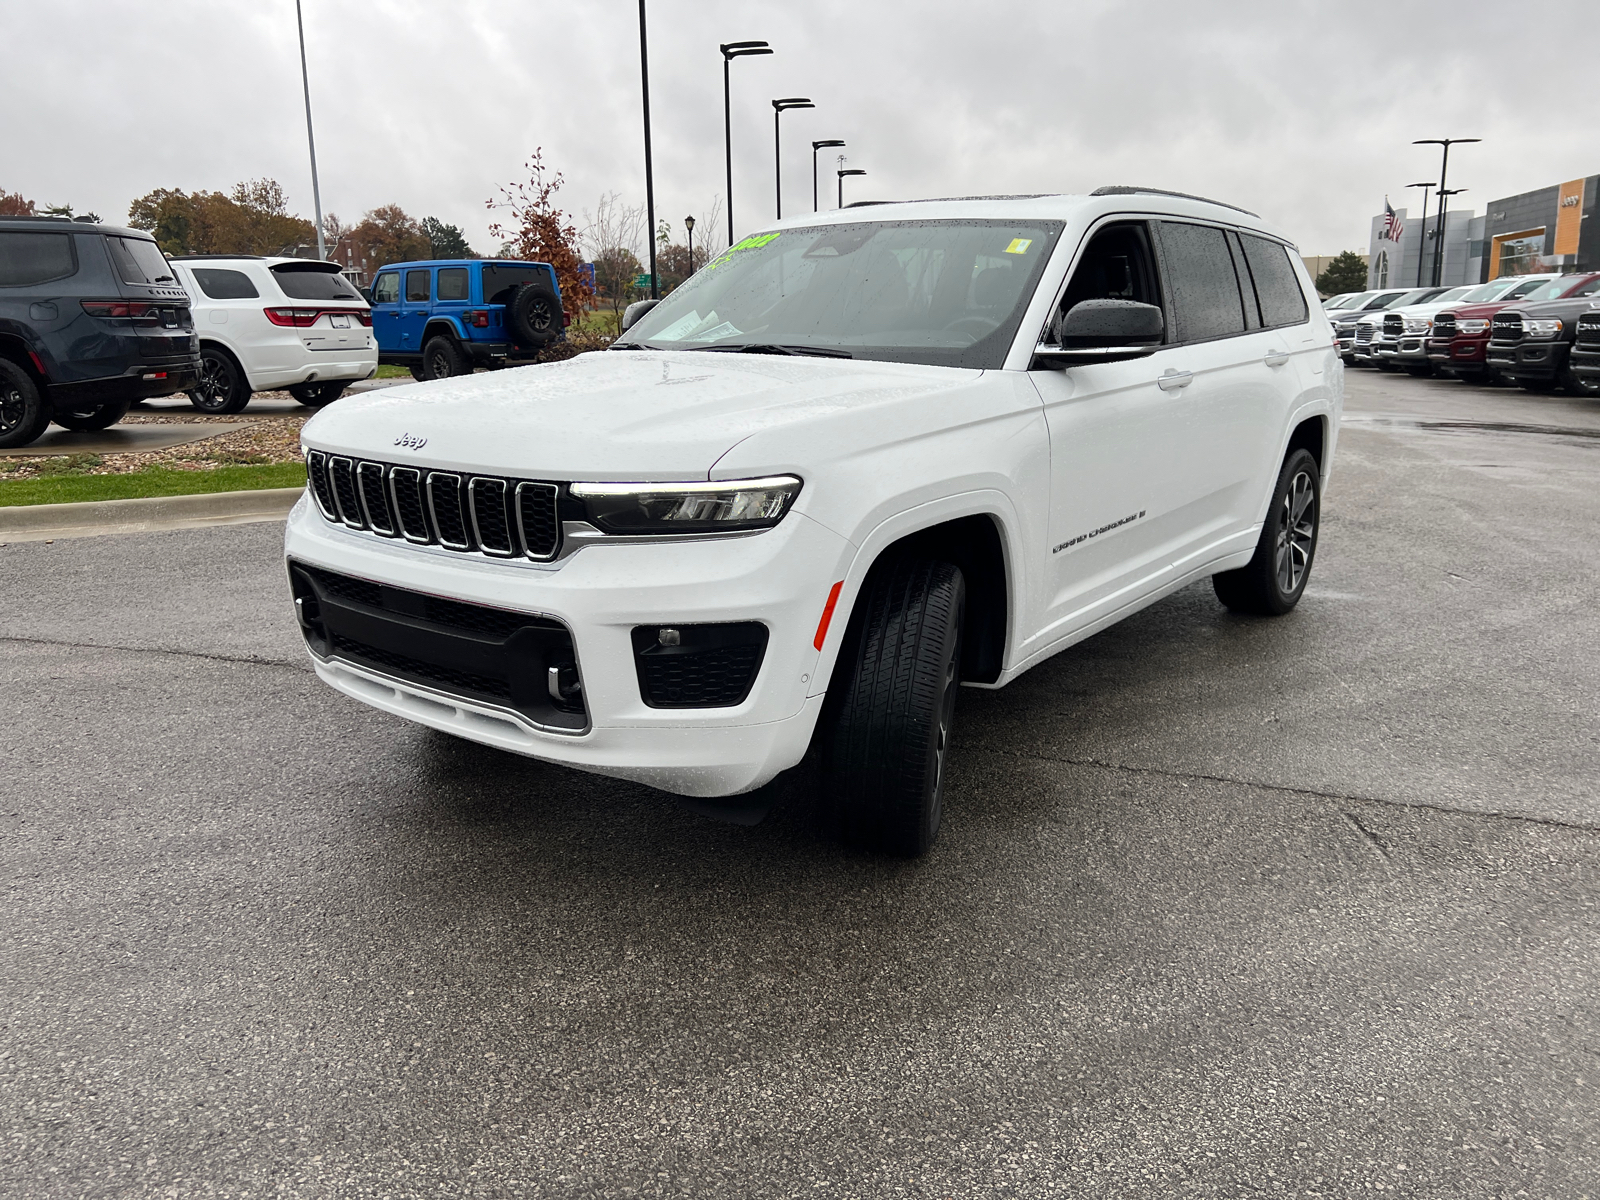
1544	230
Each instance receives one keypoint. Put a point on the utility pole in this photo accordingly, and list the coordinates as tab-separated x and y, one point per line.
311	137
1422	229
1444	168
649	171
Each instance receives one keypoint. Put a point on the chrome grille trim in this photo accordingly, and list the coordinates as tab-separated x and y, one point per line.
445	486
375	499
498	543
321	489
342	472
410	479
533	546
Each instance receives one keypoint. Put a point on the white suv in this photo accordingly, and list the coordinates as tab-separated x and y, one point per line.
858	459
267	323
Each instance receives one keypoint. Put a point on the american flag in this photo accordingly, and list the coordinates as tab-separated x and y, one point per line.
1392	225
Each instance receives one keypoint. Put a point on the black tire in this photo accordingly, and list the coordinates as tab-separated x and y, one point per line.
441	359
102	417
1274	579
417	374
1535	385
535	315
315	395
23	414
887	732
1420	370
222	387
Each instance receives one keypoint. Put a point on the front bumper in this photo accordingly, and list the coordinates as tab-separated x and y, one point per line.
1527	359
1407	350
1459	355
1585	364
600	593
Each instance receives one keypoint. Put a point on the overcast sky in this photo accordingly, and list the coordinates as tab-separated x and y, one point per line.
1302	112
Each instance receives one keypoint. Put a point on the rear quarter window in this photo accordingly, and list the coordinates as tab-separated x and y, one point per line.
452	283
139	260
222	284
1277	286
300	284
28	258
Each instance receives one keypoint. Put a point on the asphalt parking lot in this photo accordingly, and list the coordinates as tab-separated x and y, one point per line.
1221	907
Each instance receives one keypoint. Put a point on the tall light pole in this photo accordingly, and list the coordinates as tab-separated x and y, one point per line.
1444	171
1422	228
649	171
842	173
311	138
815	146
1444	229
688	224
730	52
779	107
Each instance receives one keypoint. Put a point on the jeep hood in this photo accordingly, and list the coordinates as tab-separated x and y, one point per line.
613	414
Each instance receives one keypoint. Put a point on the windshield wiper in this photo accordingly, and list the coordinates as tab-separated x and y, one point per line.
774	348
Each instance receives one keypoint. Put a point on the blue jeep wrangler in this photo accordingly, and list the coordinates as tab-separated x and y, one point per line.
445	317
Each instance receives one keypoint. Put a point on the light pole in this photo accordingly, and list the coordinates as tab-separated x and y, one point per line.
815	146
311	138
1444	228
842	172
1422	229
649	171
688	224
730	52
779	107
1444	170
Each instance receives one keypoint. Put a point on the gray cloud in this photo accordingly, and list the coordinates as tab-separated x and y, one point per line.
1300	111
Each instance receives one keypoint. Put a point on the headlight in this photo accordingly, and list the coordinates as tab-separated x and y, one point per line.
1543	328
661	508
1473	326
1418	324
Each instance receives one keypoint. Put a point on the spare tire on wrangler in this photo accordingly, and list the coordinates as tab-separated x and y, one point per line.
534	312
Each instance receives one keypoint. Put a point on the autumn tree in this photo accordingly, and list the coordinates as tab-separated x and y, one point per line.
253	219
540	232
13	205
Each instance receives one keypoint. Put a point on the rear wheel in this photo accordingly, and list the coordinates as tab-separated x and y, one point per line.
535	315
1273	581
315	395
23	416
103	417
888	733
441	359
222	387
417	374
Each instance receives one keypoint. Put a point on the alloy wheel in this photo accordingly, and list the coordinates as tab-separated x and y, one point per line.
13	409
947	704
1297	532
215	381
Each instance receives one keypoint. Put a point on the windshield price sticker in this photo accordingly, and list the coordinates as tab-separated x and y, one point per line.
1019	245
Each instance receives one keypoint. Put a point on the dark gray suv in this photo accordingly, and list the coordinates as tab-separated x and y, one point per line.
92	320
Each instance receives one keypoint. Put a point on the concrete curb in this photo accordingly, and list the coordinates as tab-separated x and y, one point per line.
46	522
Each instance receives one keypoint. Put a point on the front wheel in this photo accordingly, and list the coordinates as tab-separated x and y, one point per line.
103	417
23	415
222	387
888	733
1273	581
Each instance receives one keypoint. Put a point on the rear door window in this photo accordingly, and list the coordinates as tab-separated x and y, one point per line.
29	258
1200	277
139	260
452	283
301	283
222	284
1277	286
417	290
387	289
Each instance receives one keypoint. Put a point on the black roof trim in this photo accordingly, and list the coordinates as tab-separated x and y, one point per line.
1118	189
295	266
204	257
870	203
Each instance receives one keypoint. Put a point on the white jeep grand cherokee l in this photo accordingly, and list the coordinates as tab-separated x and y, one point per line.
857	460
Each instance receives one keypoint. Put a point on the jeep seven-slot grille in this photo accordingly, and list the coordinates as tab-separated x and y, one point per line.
501	518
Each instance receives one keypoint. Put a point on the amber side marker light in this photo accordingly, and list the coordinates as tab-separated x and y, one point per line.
827	615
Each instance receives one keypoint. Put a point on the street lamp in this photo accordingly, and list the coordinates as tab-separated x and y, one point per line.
1422	235
1444	228
842	172
649	172
311	139
779	107
815	146
688	224
730	52
1444	170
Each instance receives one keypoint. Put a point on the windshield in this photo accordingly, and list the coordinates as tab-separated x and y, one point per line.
1354	300
947	293
1549	291
1489	291
1459	293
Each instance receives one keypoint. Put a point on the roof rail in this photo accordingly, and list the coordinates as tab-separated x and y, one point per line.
1118	189
203	257
57	220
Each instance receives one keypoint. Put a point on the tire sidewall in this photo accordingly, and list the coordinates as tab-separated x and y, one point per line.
231	376
34	418
522	304
1297	463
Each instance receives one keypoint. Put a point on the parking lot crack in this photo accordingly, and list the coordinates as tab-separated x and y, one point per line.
1377	842
246	660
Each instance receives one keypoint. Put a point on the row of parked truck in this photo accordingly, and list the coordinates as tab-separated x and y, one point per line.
95	318
1539	332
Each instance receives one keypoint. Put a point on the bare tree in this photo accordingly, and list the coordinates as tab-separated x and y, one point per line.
613	237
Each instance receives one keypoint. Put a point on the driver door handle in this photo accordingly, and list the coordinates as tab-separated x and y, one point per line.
1275	358
1170	380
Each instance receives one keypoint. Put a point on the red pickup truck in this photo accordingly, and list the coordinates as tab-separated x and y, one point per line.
1460	335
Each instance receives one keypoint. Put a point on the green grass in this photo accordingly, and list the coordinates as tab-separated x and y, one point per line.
152	481
390	371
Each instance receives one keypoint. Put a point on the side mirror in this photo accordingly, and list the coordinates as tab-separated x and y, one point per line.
1104	331
631	314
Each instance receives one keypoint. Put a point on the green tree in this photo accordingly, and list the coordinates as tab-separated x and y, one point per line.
447	241
253	219
1346	273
